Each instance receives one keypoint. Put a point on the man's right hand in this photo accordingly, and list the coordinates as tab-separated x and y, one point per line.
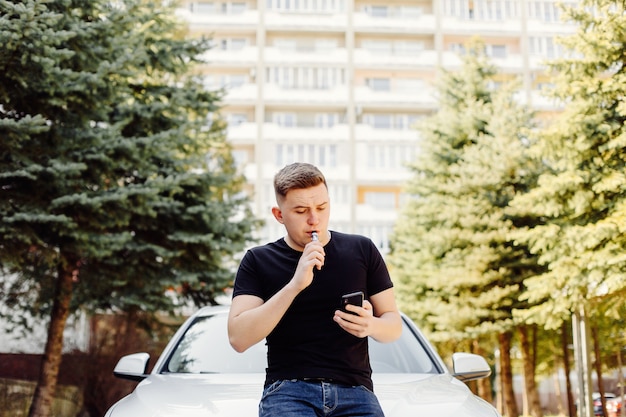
313	256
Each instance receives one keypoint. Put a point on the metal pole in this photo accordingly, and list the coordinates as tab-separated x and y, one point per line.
586	354
583	371
620	380
498	382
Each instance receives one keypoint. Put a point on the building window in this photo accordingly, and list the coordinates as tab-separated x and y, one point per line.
232	44
306	6
408	85
381	121
285	119
322	78
235	119
325	45
326	120
339	193
497	51
389	157
242	158
381	200
324	156
234	81
547	11
203	7
377	11
378	47
233	8
497	10
391	121
379	84
457	48
410	11
378	233
212	82
545	47
408	48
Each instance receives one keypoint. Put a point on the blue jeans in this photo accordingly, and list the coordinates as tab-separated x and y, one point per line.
295	398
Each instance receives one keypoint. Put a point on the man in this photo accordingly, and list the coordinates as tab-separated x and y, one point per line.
289	292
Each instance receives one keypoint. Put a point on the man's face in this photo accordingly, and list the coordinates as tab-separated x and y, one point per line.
303	211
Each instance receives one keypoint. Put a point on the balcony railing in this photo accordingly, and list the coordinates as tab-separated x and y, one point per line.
317	22
364	22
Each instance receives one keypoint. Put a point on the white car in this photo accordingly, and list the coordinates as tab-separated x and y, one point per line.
199	374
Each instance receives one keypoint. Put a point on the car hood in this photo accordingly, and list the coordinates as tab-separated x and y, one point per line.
238	396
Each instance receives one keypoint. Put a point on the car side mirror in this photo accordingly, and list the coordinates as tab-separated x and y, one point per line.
469	366
133	367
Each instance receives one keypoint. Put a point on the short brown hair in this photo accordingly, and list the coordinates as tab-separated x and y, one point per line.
297	176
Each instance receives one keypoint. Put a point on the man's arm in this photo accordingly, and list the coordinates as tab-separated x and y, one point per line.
378	318
250	320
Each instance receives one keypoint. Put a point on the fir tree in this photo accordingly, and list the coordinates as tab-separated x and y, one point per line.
115	187
459	271
582	194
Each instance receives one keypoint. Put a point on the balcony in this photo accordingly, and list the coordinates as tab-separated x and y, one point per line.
245	57
512	63
366	213
397	99
470	27
306	22
286	57
367	133
246	20
335	134
377	60
316	98
245	94
243	133
551	28
423	24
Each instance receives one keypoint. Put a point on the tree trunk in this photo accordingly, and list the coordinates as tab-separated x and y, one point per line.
598	366
529	374
484	384
506	376
41	405
567	369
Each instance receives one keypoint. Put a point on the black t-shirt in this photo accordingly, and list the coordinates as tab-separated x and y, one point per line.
307	343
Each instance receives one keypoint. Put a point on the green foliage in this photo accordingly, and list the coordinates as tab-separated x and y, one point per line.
109	164
582	194
459	273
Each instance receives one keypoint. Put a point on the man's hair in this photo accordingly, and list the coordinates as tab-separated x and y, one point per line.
297	176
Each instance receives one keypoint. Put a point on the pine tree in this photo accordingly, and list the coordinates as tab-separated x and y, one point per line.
115	187
460	274
582	194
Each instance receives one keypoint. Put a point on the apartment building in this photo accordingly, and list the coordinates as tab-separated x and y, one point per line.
341	83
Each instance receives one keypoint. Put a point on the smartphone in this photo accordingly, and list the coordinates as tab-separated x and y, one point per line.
354	298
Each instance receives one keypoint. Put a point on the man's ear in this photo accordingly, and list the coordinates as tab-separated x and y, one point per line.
278	214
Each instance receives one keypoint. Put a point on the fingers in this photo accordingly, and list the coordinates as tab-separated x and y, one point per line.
314	253
312	257
357	324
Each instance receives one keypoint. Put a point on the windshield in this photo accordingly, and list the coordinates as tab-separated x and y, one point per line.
204	348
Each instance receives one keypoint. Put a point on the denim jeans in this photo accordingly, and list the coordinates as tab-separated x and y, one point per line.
295	398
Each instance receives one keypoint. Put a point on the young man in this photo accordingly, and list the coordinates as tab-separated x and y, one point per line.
290	291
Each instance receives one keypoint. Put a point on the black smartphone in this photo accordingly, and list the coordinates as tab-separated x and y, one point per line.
354	298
